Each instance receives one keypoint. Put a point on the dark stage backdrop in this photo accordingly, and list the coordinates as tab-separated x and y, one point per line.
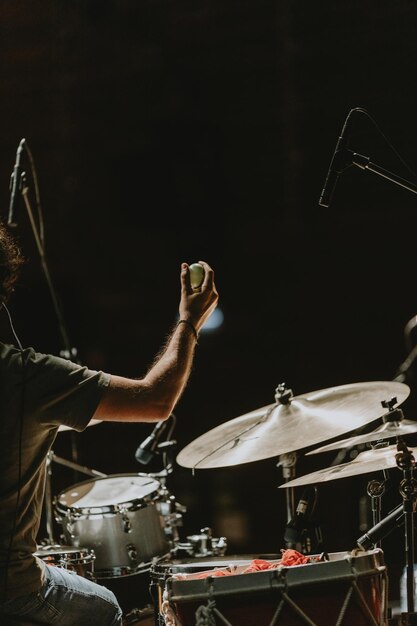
168	131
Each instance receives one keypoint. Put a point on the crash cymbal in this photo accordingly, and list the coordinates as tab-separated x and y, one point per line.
389	430
90	423
367	461
292	423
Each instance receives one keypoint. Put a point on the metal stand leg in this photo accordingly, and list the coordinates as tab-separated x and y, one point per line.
288	462
48	501
376	489
48	489
408	490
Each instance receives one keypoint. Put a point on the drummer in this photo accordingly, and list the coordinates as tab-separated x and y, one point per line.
40	392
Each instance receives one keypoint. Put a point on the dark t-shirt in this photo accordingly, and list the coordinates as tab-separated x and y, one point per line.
38	393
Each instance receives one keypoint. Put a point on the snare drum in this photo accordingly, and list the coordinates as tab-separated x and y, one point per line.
347	589
163	570
78	560
117	517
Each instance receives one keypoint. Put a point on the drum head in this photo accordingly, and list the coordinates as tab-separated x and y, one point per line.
109	492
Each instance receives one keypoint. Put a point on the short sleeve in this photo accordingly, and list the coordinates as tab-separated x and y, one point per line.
58	391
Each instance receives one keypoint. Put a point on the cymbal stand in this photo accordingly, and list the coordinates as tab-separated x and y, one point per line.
287	461
375	490
48	487
408	490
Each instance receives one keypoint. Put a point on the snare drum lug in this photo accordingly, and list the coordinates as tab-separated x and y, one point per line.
70	530
126	524
132	552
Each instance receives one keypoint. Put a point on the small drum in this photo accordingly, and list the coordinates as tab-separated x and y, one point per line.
117	517
78	560
346	589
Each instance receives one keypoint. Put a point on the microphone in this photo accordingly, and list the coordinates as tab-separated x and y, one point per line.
382	528
338	163
299	523
147	449
15	184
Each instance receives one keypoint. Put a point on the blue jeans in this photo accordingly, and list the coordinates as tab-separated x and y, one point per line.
65	599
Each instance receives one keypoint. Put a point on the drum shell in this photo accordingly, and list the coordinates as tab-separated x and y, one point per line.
124	535
317	589
104	533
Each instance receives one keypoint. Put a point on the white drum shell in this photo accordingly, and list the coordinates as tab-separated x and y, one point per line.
124	533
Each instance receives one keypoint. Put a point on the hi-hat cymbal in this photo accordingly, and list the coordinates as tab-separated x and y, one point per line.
388	430
90	423
291	424
365	462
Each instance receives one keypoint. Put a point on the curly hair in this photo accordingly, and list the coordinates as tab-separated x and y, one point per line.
11	259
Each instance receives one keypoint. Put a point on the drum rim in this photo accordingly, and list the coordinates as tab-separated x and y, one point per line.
161	565
80	555
364	564
131	504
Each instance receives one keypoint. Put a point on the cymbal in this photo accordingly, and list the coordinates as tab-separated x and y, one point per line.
365	462
90	423
291	424
387	430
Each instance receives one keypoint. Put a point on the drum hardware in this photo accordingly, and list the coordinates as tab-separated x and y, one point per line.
288	462
408	491
375	490
132	553
302	533
201	545
170	510
403	515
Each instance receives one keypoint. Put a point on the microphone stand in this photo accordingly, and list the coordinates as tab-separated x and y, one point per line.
364	163
68	351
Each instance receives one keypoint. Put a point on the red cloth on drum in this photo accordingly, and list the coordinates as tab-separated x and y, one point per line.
226	571
292	557
289	558
258	565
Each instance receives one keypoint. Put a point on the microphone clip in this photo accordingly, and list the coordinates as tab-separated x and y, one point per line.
153	445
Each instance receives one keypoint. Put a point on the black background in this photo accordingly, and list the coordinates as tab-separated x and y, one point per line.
168	131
